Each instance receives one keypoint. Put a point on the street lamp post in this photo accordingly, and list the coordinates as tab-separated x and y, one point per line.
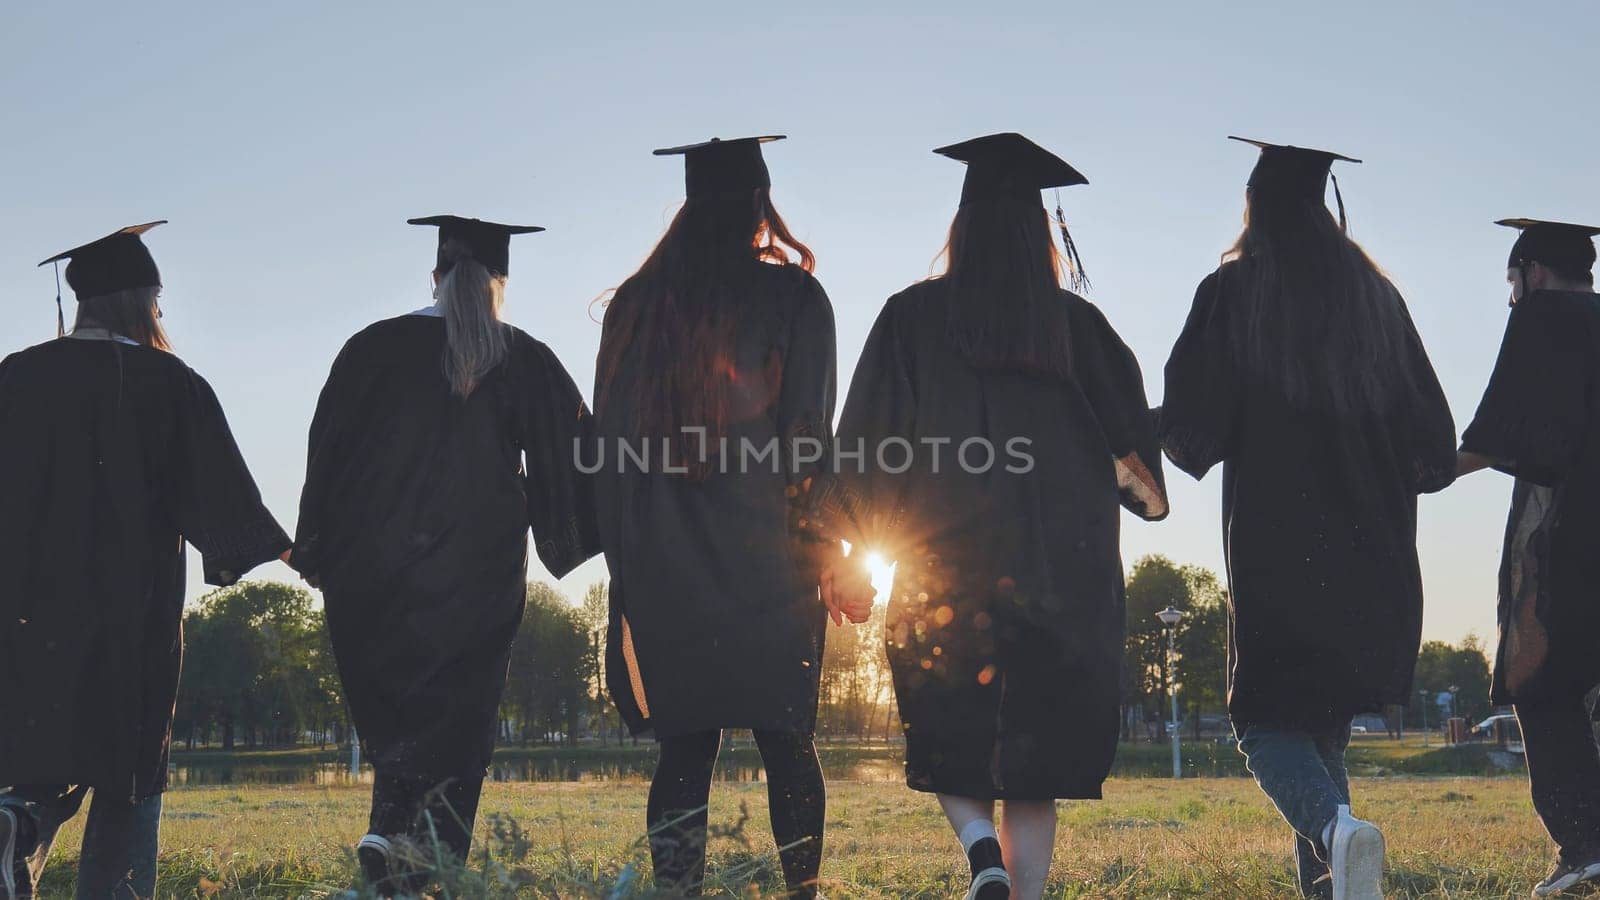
1423	694
1170	617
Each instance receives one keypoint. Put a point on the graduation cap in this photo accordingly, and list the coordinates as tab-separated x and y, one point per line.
117	262
718	166
487	242
1560	245
1296	171
1008	164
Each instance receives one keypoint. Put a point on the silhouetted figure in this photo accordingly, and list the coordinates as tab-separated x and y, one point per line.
440	437
1538	421
1000	420
719	348
1299	370
113	456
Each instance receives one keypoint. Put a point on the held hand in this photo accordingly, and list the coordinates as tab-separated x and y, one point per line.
847	591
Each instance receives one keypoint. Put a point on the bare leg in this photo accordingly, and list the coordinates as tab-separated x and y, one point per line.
1028	840
963	811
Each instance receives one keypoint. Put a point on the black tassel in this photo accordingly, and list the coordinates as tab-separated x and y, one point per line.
1076	276
61	318
1339	198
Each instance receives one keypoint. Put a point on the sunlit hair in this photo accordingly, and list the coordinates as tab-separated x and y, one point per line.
1005	297
1312	316
470	298
671	328
131	313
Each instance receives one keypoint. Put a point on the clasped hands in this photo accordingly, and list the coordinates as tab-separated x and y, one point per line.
847	589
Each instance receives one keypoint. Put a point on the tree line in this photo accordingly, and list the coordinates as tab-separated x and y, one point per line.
260	672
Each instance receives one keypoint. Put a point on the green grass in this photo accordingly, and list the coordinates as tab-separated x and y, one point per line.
1449	837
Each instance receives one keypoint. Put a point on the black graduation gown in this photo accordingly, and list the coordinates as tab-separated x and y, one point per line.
1538	419
414	518
112	457
1319	525
715	617
1006	621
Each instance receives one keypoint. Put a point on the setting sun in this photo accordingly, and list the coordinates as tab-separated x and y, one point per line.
882	575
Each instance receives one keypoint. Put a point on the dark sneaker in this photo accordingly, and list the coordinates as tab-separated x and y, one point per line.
1575	877
15	883
990	881
376	857
990	884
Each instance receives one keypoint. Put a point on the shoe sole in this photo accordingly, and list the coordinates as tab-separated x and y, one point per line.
1576	884
373	858
1358	871
990	884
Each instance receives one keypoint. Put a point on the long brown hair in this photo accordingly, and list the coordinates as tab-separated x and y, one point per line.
676	320
131	313
1313	316
1003	272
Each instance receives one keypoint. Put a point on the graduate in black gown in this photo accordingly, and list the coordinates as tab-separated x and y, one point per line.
440	437
114	456
1300	371
996	420
1539	421
714	398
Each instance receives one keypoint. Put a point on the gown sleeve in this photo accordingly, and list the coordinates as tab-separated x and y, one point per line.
1433	428
1532	416
863	501
322	451
219	507
807	392
1199	412
555	424
1109	375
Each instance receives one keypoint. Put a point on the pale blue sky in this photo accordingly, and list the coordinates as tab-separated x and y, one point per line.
288	142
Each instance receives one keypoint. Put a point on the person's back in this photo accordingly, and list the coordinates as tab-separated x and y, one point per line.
439	439
995	420
1300	371
1538	421
114	456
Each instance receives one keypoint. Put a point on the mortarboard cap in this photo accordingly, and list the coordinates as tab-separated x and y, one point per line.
1009	163
1295	170
1560	245
718	166
487	242
117	262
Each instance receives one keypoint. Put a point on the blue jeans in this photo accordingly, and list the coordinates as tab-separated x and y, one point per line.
120	840
1303	774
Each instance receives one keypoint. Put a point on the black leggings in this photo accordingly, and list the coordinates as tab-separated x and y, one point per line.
682	788
399	802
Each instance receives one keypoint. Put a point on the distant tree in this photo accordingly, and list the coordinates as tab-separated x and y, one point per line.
1441	667
1203	645
547	685
257	664
1154	584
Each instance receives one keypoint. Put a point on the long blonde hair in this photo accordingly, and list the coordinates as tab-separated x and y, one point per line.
470	297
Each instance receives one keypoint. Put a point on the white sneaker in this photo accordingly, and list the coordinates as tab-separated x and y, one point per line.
1566	877
991	882
1355	858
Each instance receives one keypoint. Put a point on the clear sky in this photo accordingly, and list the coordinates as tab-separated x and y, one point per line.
288	142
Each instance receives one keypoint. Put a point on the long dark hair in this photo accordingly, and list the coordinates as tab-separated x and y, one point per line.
676	320
1004	297
131	313
1312	315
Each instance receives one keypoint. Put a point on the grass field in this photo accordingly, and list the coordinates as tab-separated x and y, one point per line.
1449	837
